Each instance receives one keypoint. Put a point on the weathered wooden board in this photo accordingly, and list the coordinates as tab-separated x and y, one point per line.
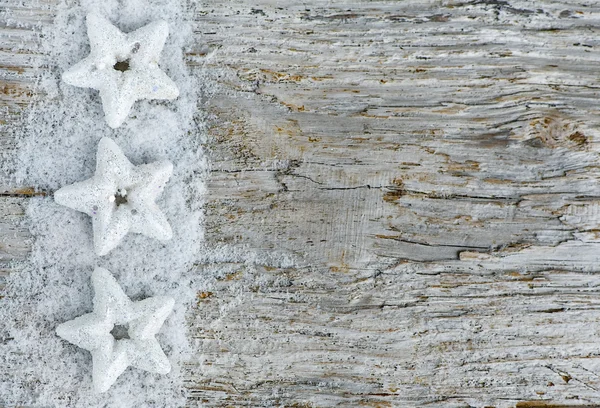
404	195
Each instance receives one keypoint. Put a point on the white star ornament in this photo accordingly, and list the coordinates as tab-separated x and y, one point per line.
123	67
120	198
114	311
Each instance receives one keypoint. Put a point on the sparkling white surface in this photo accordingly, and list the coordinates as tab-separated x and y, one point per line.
120	198
112	307
58	142
123	67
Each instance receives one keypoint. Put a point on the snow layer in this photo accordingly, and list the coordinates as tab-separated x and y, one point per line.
57	147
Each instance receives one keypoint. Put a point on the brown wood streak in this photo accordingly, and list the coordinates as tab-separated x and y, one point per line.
431	168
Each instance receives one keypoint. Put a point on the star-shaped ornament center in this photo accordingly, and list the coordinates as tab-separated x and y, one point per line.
120	197
120	332
121	66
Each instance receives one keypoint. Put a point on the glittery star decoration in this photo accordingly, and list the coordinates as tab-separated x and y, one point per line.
120	198
116	315
123	67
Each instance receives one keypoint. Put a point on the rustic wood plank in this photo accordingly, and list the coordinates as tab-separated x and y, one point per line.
433	166
403	202
484	137
397	338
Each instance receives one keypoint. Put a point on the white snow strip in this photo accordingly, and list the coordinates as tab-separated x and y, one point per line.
57	147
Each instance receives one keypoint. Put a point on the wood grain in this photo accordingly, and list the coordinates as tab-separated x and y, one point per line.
403	204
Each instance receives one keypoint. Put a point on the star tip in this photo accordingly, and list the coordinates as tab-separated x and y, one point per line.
60	196
162	27
175	93
168	235
102	249
100	272
164	368
66	77
101	388
113	123
61	330
93	15
168	167
65	332
93	20
170	302
105	142
75	77
106	145
114	119
102	252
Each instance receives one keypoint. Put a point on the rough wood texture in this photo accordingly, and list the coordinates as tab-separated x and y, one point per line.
430	170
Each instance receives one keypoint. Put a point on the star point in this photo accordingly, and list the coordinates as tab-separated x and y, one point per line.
110	356
123	67
120	198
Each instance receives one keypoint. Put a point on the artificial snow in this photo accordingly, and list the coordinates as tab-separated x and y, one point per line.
123	67
111	356
120	198
57	144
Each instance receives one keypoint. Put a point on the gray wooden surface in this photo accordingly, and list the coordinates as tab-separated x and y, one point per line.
405	196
